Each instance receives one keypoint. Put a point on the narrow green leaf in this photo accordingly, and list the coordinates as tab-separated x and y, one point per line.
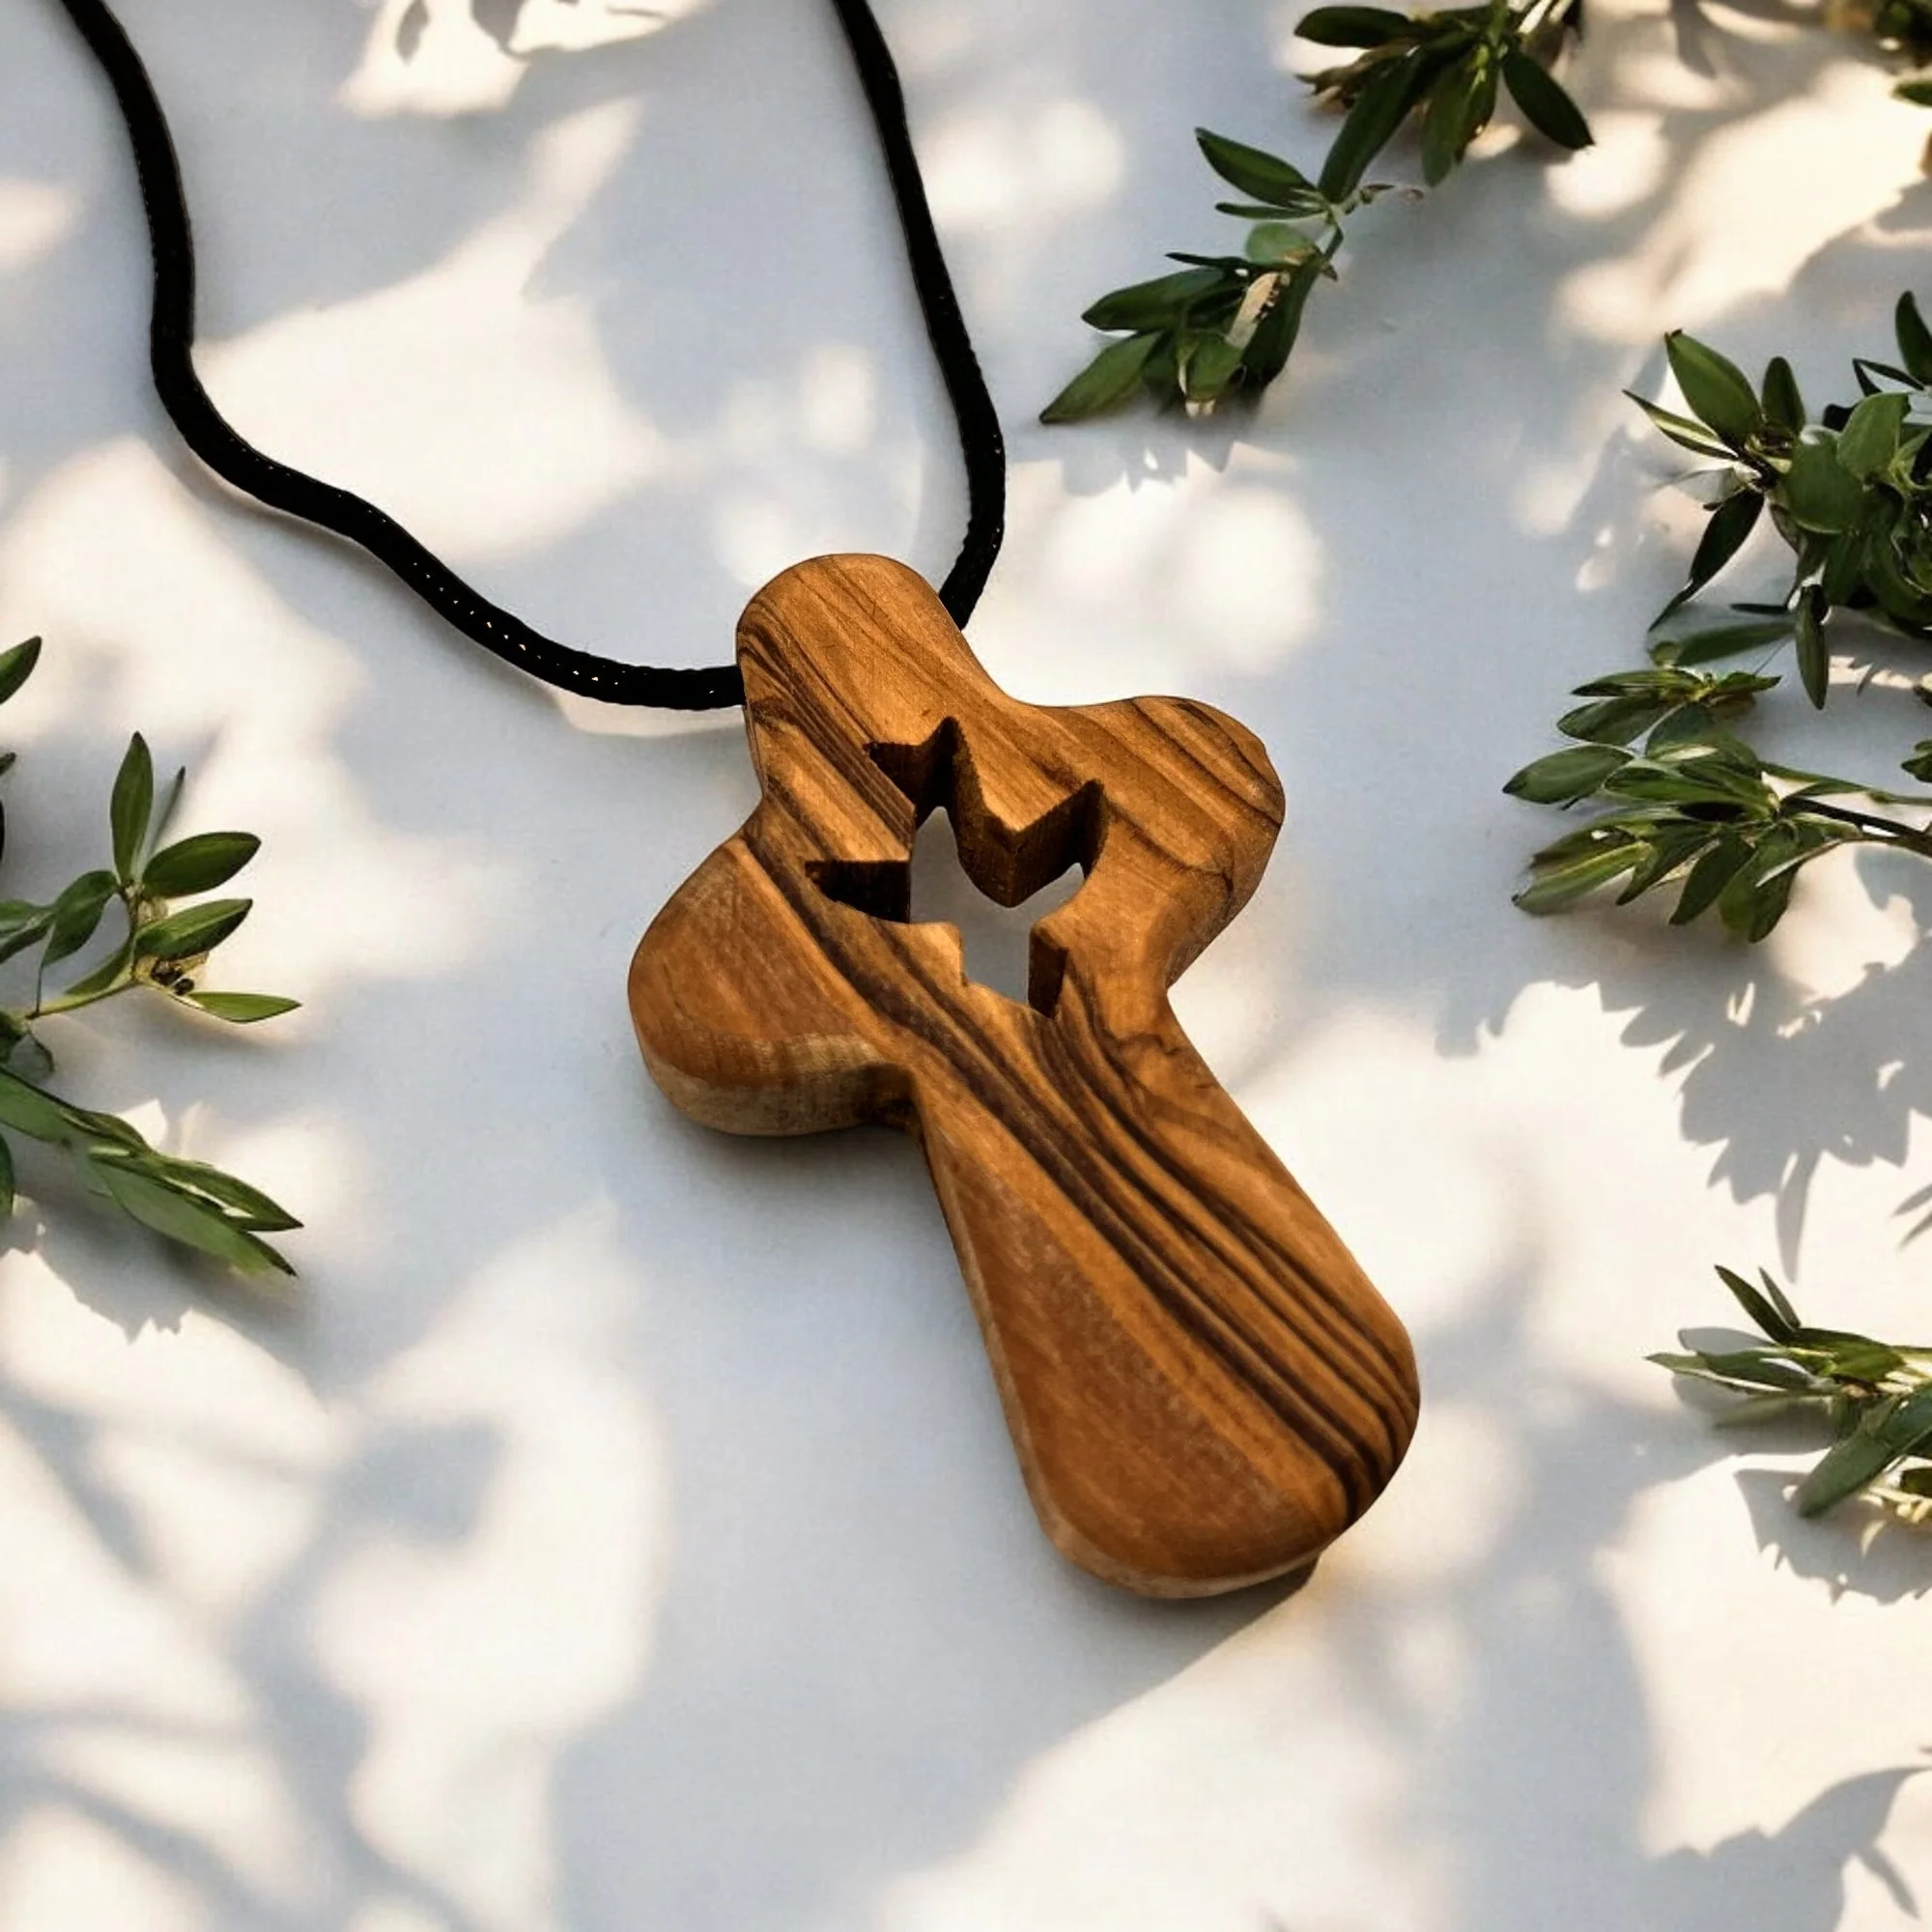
1254	171
1354	26
1815	660
1379	110
1106	381
1869	439
1783	403
1614	721
184	1218
1277	245
1546	103
6	1180
1914	345
1210	366
1445	132
1755	896
241	1008
76	912
192	931
200	863
1563	777
1155	305
1845	1468
105	974
1820	494
248	1207
1708	876
40	1116
1275	335
1681	430
1769	1315
1558	887
1731	522
133	802
1714	386
17	935
1787	1315
16	666
1701	642
1917	92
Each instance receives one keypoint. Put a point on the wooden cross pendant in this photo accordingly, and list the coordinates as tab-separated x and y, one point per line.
1203	1387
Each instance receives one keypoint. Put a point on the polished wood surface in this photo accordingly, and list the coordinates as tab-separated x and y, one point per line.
1203	1387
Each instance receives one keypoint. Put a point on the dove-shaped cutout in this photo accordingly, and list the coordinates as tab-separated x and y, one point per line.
1203	1387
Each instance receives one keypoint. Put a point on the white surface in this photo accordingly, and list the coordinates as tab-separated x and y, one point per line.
624	1534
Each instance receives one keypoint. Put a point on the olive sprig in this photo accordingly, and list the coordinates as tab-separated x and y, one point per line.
1223	327
1692	807
163	946
1874	1399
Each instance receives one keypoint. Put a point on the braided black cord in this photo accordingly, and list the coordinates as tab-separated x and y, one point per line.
237	461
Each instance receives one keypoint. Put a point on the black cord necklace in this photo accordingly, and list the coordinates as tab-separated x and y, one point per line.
237	461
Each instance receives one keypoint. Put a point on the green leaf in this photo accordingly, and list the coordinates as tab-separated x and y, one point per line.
1915	340
6	1180
1278	245
1783	403
1553	889
194	929
1106	381
1731	522
1869	439
1544	101
1715	387
1379	110
1275	335
1563	777
1781	1302
1681	430
1460	108
1845	1468
1820	494
1158	304
1815	660
200	863
1707	879
41	1116
1917	92
241	1008
21	926
1614	721
16	666
1774	1317
1755	896
247	1206
1354	27
133	802
1702	643
77	913
1254	171
105	974
184	1218
29	1058
1210	366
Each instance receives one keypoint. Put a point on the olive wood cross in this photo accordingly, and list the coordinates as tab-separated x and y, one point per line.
1203	1387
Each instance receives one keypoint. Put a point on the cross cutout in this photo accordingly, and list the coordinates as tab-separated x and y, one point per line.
994	890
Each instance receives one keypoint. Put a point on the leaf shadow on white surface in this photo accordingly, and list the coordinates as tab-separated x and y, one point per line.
1858	1549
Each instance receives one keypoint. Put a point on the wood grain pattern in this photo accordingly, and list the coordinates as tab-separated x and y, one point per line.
1203	1387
